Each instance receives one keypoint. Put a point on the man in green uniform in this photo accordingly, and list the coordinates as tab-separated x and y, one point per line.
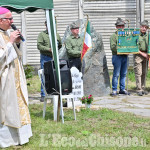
119	62
140	60
43	45
74	44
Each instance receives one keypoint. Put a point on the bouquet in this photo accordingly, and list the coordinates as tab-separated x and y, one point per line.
83	99
87	99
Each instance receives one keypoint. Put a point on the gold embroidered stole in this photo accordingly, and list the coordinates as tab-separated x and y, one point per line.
23	108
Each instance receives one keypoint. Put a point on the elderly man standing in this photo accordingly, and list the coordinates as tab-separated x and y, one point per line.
15	123
74	44
119	62
141	59
44	46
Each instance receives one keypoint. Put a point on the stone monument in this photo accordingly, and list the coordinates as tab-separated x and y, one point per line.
96	79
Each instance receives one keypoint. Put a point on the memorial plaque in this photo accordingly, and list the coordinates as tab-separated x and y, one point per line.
77	87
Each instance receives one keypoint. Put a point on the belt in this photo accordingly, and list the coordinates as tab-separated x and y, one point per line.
143	51
46	55
75	58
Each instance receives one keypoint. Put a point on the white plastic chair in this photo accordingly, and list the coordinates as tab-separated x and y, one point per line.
53	97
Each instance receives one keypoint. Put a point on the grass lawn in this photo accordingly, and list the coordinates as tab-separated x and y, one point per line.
94	129
34	85
132	82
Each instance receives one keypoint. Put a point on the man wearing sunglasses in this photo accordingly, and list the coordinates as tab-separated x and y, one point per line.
15	123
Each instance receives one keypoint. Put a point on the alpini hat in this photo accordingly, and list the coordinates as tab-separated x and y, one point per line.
119	22
144	23
74	26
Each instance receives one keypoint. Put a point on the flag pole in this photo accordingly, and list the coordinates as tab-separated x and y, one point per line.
87	42
56	23
84	36
127	61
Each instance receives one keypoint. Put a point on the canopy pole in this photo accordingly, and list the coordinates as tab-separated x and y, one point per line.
53	40
142	9
138	13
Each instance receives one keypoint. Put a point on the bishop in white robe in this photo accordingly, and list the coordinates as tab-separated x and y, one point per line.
15	122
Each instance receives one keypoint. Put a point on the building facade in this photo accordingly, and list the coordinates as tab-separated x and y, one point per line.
102	14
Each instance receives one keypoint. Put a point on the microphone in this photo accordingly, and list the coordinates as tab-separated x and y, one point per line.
15	28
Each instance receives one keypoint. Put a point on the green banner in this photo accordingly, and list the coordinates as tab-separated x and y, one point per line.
148	43
128	41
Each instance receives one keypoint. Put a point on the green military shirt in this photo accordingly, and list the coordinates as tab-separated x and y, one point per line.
74	46
143	42
113	43
43	43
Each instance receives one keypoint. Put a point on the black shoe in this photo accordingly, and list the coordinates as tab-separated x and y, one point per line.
114	93
124	92
65	104
145	92
140	93
42	99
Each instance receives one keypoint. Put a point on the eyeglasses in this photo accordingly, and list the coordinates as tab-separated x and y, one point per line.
143	26
8	18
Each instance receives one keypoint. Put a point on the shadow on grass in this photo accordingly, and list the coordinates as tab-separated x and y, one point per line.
48	116
37	111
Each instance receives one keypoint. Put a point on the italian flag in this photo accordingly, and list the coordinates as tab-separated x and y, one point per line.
87	43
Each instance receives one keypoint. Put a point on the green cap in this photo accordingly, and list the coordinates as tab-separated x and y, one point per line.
119	22
74	26
144	23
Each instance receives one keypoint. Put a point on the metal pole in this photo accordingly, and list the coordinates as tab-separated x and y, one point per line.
146	66
142	9
145	74
127	72
53	40
127	61
142	18
81	9
137	13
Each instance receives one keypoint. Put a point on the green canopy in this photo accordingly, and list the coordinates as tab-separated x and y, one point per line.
32	5
29	5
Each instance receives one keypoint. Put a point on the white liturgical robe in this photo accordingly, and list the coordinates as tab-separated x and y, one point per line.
15	126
